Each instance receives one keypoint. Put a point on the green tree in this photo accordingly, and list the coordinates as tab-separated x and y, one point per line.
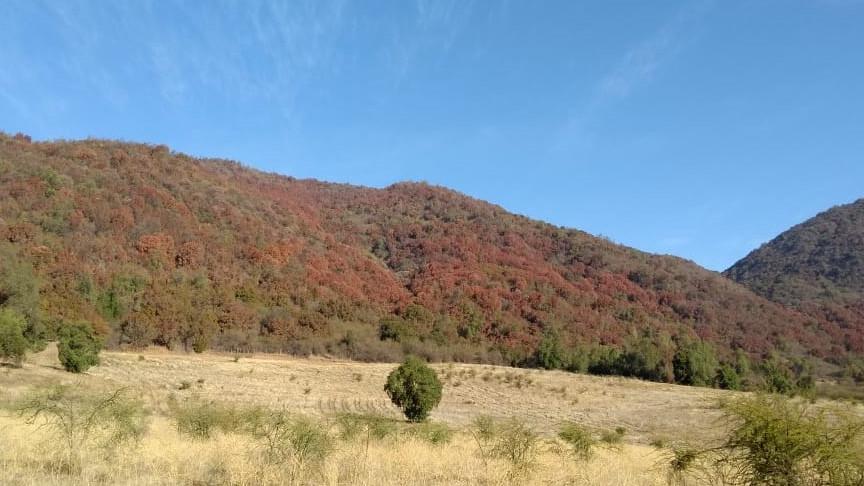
727	377
695	364
777	377
414	387
549	354
78	347
19	291
13	345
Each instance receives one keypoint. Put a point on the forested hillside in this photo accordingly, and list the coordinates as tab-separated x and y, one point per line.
816	267
156	247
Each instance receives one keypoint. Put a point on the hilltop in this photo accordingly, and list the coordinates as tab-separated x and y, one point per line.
157	247
816	267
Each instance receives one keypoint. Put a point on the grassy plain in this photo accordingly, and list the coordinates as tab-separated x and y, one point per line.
325	389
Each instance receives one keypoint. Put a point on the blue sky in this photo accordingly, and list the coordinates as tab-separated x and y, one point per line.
695	128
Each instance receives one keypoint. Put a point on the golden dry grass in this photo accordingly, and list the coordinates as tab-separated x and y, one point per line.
164	457
322	388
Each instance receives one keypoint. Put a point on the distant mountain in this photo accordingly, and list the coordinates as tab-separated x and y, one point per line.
158	247
816	267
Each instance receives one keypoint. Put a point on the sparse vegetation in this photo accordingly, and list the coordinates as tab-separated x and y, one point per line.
81	419
200	419
235	440
613	438
518	445
298	443
578	439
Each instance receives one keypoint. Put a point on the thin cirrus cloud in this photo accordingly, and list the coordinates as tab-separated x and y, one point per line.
637	67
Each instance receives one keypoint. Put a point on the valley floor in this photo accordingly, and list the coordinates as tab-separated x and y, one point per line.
322	388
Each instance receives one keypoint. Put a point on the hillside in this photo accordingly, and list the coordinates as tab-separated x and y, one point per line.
158	247
817	267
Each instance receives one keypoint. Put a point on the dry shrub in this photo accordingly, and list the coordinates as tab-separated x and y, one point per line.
515	443
365	426
300	444
578	439
776	441
80	420
200	420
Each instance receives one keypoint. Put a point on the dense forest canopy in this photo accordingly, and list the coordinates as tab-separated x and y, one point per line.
156	247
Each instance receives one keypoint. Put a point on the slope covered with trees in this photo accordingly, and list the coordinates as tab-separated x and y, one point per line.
156	247
816	267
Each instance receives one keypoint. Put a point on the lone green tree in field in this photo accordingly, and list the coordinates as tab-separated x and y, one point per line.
13	344
78	347
414	387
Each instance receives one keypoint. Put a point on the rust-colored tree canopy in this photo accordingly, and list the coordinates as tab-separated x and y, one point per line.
156	247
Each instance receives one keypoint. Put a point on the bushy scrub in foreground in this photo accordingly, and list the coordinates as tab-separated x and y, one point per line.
414	387
578	439
365	426
431	432
298	443
80	420
511	441
78	347
780	442
201	420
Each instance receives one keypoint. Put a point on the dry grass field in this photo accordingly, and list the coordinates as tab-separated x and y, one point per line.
324	389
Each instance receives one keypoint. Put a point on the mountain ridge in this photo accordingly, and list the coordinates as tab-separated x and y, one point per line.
817	267
135	236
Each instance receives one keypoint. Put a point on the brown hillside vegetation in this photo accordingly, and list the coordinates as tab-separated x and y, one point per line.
157	247
817	267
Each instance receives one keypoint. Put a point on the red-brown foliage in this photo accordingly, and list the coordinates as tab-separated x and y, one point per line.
183	251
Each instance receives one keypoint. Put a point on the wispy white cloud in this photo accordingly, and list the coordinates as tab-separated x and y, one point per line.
640	64
636	67
248	50
429	35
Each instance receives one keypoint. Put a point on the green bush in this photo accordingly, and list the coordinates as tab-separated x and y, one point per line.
727	378
414	387
19	291
775	441
13	344
648	357
549	354
695	364
786	378
78	347
580	440
395	328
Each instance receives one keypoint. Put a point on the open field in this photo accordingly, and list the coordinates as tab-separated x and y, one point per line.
543	399
324	389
